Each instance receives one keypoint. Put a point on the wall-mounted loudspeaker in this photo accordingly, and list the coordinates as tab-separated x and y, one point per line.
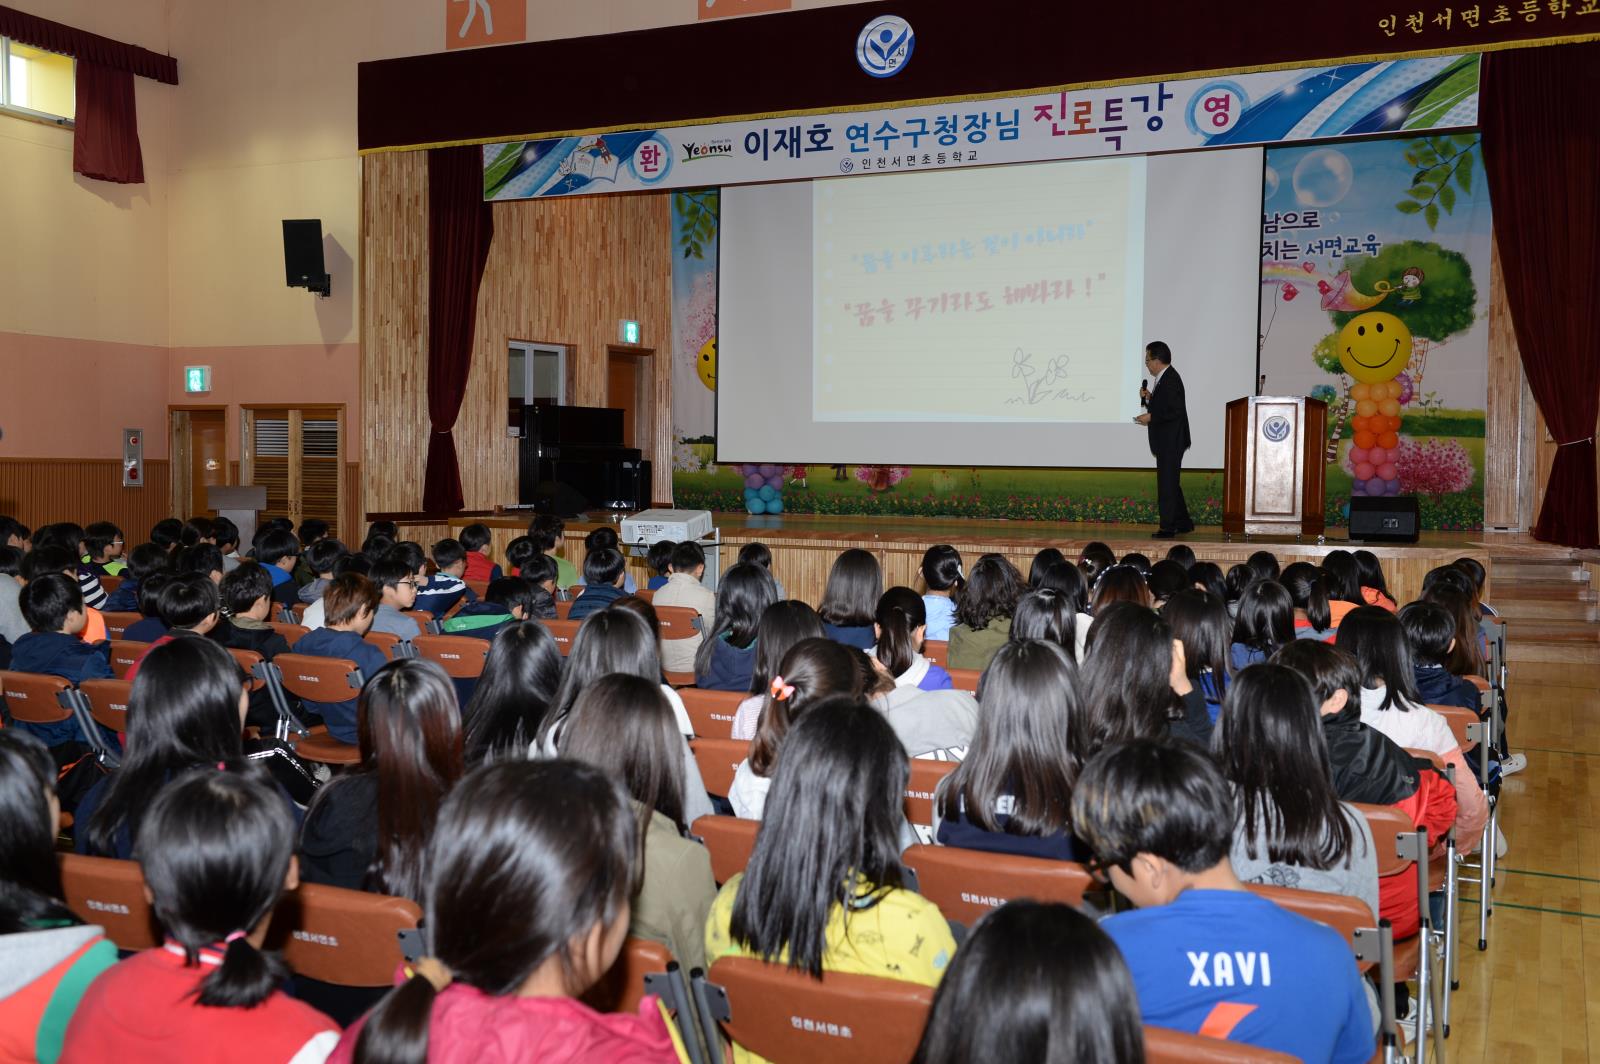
302	255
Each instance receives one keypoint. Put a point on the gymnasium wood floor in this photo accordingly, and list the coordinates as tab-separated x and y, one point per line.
1529	997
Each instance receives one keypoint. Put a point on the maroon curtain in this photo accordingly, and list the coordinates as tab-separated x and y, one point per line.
1541	148
460	228
105	142
85	46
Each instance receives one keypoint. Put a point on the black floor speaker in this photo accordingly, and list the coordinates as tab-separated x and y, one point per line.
1384	520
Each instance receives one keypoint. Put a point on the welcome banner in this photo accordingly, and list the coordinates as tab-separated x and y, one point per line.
1285	106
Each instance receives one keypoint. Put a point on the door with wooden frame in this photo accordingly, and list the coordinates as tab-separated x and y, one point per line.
630	387
199	436
295	453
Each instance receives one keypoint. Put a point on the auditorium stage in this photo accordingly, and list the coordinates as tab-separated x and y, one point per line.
804	545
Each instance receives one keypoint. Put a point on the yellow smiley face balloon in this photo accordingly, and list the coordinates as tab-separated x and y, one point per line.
706	364
1374	347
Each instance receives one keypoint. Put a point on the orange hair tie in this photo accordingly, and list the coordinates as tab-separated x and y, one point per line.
781	692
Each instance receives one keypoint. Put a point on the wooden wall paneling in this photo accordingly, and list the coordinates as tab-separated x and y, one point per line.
37	491
1505	465
352	517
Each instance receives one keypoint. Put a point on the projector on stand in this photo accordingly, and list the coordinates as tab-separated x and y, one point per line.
650	526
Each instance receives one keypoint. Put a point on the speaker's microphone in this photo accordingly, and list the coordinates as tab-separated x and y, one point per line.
1144	393
1261	384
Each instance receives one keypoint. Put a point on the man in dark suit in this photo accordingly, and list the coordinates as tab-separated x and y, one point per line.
1167	419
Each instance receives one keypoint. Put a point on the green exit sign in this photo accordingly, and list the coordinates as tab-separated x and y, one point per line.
628	331
197	378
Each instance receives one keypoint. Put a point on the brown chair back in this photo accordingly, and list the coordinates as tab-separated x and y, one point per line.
108	702
316	679
478	587
384	641
1165	1046
104	891
324	749
920	788
677	622
1387	822
780	1014
646	594
1341	912
110	583
344	937
1459	720
729	840
421	618
965	679
623	987
462	656
965	884
292	633
124	652
563	609
937	651
711	712
718	760
248	660
35	698
118	621
564	630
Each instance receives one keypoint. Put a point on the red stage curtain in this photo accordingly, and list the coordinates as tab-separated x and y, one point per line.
460	228
1541	139
105	142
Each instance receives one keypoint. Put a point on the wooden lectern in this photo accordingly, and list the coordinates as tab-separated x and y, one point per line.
1274	478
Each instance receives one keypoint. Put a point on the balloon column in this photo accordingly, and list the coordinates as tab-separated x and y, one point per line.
1373	349
763	488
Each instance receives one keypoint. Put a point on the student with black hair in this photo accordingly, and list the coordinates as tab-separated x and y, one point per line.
1047	615
760	554
683	588
1183	554
1012	792
349	562
226	535
783	624
53	607
1042	560
149	627
547	532
547	854
726	658
1314	614
48	956
322	559
983	615
1264	564
1201	624
445	588
1292	830
1137	560
1008	987
1236	580
70	537
659	558
217	852
1431	634
1066	581
855	583
190	605
279	551
1374	589
624	726
1166	579
605	538
1208	577
941	574
397	592
202	558
143	560
348	608
103	546
824	890
247	603
1120	583
375	546
510	699
1135	683
604	571
899	625
14	533
1263	625
166	533
369	828
1096	558
505	602
1207	955
197	530
540	575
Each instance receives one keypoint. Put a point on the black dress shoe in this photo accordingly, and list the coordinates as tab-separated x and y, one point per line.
1162	533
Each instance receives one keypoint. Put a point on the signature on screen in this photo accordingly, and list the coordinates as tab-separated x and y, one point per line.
1043	384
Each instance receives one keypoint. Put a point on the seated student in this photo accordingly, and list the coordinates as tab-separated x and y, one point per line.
1374	589
1377	640
548	851
369	828
217	852
70	538
13	625
1292	830
659	559
518	552
760	554
1120	583
813	671
104	543
1208	576
202	558
311	532
1207	955
1431	634
1264	564
14	533
1007	986
603	575
624	726
783	624
1313	612
54	609
167	534
48	956
899	625
941	574
58	559
1341	574
321	559
836	810
546	532
1137	561
1451	587
683	588
855	583
540	574
350	562
1236	580
445	588
279	552
247	602
1135	683
197	530
1263	624
1095	559
149	627
143	560
726	657
508	600
1200	622
1069	616
226	535
1012	792
1166	579
1043	560
983	614
348	608
475	541
511	698
605	538
1369	768
190	605
375	546
931	725
397	588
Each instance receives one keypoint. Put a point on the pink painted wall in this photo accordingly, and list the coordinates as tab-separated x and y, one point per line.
291	374
63	398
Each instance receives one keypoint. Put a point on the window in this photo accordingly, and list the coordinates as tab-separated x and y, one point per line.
294	453
538	372
36	82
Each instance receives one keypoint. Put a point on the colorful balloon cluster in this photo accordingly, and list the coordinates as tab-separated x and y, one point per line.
1375	446
763	488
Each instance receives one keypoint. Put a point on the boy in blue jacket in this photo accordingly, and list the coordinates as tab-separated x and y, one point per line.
349	605
1431	631
53	607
